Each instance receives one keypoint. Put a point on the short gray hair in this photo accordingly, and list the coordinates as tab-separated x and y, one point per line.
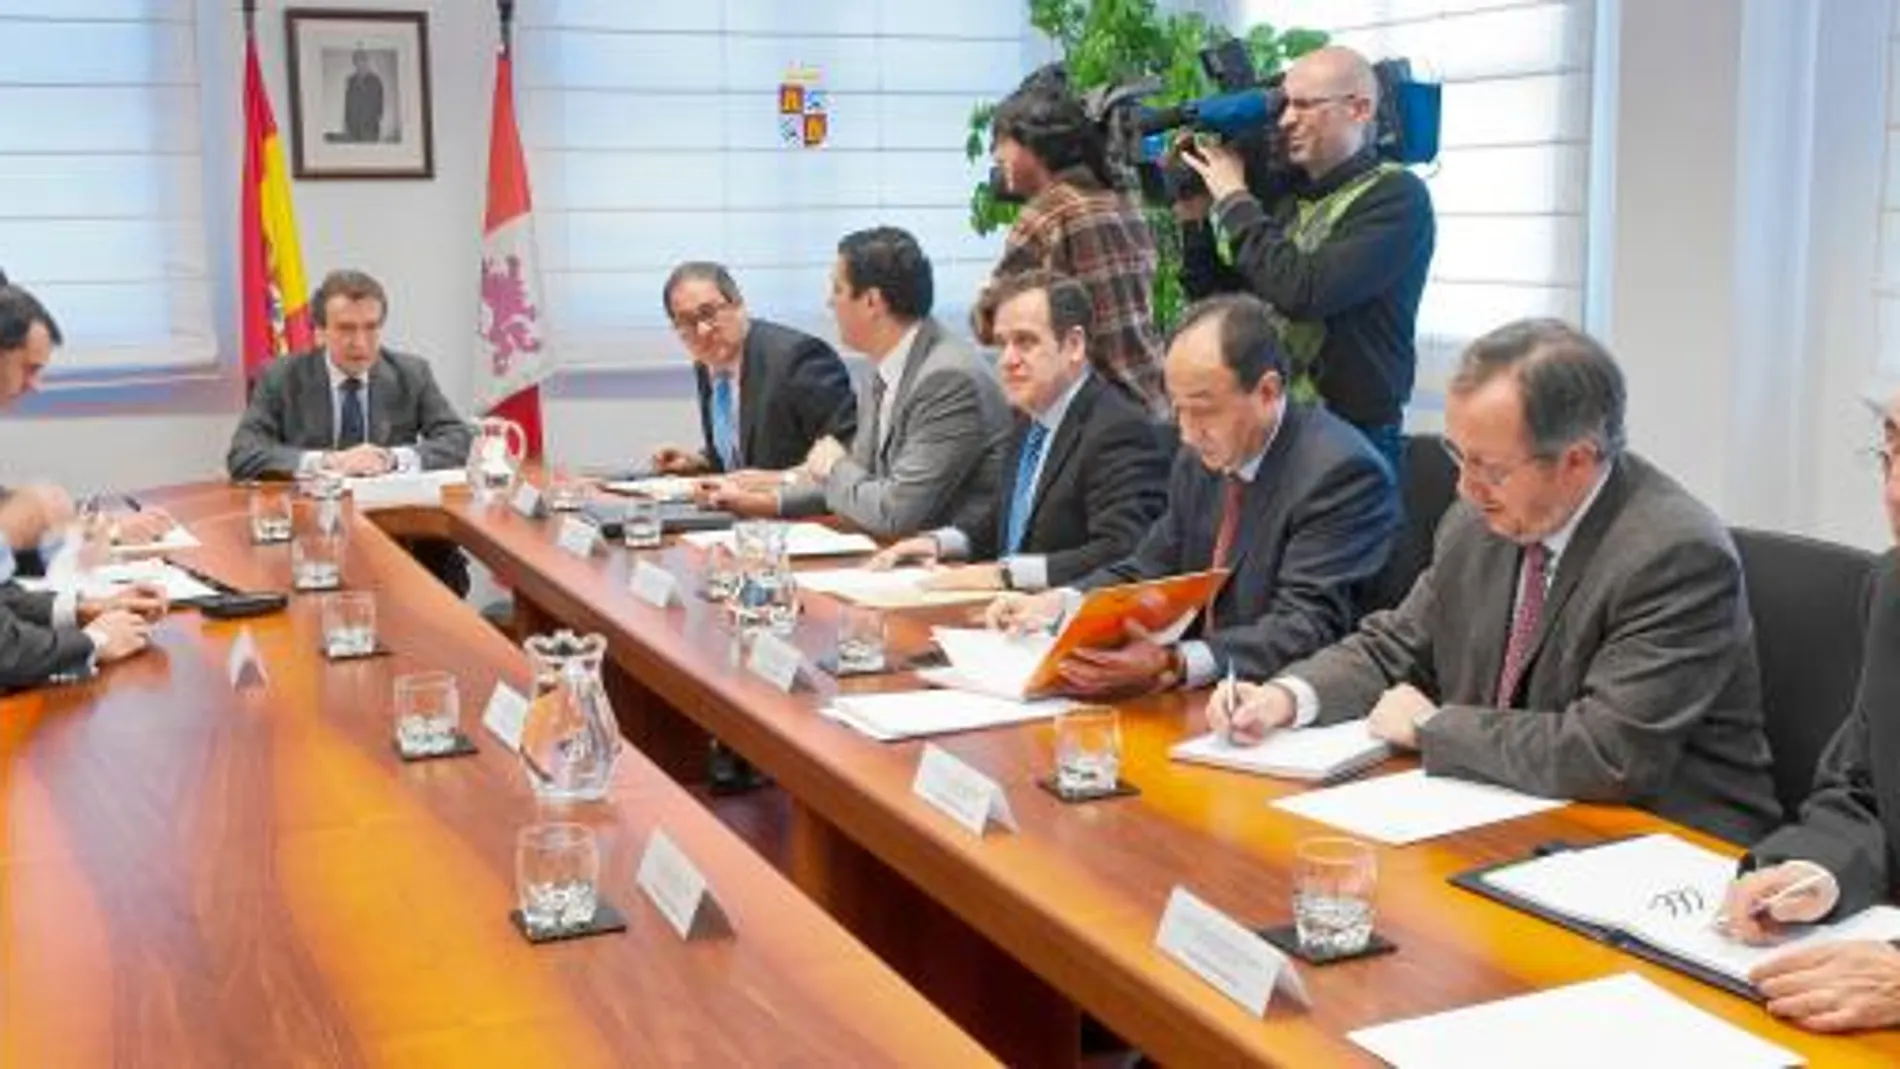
699	271
1572	389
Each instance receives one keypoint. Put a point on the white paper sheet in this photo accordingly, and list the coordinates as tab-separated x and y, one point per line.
1411	806
109	579
440	477
657	487
1306	754
801	540
896	588
1565	1028
179	537
987	662
918	713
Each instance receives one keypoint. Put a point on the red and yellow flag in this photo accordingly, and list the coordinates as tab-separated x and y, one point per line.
275	299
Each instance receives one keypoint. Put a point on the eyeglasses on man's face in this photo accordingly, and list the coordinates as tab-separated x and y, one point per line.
691	322
1491	474
1302	105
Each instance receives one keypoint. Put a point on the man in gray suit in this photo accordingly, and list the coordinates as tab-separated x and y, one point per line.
932	421
43	635
353	408
1582	632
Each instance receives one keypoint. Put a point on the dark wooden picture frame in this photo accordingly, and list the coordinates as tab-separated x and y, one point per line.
360	103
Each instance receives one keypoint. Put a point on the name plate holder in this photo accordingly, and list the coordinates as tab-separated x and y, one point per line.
506	716
1223	952
967	796
679	890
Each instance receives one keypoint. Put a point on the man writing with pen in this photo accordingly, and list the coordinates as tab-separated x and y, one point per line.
1843	853
42	635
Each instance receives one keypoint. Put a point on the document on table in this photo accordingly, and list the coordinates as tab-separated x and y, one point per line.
178	537
657	487
1666	892
1411	806
440	477
894	589
109	579
982	661
801	540
919	713
1323	753
1564	1028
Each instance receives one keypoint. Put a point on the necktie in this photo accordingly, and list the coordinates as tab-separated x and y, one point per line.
1530	611
725	426
1024	496
350	430
1231	490
877	419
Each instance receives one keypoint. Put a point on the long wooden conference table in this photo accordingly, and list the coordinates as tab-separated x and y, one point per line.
1013	935
197	875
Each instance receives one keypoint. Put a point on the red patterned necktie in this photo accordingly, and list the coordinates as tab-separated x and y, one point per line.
1224	538
1530	611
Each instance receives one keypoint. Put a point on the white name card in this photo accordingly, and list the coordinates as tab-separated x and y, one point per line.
577	536
967	796
678	890
245	666
396	491
774	660
506	716
1221	951
527	500
654	585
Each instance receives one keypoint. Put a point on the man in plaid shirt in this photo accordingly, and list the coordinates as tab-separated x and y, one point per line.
1076	224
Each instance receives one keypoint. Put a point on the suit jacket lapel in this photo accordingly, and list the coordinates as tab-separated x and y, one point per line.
752	391
1495	583
384	385
313	397
921	346
1061	448
1266	479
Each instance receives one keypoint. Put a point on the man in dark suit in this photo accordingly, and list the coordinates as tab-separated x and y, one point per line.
1582	632
1289	498
1084	475
43	635
766	392
931	419
309	412
1844	853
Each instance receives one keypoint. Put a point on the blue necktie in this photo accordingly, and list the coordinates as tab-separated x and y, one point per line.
350	427
725	428
1023	498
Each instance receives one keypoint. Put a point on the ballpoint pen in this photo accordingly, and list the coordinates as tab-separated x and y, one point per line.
1800	886
1228	687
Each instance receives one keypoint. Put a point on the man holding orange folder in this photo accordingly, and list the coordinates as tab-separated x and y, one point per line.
1288	498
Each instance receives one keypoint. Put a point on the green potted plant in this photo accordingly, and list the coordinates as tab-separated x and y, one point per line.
1111	42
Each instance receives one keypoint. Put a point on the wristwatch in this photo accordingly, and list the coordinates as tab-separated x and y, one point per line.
1176	671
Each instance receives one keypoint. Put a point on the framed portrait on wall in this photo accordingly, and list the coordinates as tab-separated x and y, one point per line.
359	93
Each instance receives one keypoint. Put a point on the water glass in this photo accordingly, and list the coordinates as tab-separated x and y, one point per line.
557	873
270	514
640	529
1334	881
326	489
721	574
766	595
428	713
349	624
316	561
565	492
1088	751
860	639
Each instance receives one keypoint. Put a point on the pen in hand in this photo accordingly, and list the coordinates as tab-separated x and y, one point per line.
1229	698
1801	886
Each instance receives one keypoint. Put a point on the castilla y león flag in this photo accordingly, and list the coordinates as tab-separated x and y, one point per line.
275	302
512	324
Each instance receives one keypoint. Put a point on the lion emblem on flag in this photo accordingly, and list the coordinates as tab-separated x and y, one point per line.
509	321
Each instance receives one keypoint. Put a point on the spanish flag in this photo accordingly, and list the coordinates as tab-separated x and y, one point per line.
275	299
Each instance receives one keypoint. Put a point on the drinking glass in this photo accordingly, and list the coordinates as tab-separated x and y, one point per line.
428	713
349	624
270	514
1334	881
861	639
316	561
640	529
557	873
1088	750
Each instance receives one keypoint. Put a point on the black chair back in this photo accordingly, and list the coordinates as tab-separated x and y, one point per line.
1808	598
1427	485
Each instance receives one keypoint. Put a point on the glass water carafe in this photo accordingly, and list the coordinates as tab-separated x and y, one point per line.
765	594
571	739
494	457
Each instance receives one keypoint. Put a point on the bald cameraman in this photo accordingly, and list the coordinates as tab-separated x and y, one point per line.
1341	253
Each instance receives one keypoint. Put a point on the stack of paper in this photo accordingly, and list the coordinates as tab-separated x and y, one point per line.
657	487
1308	754
106	580
179	537
403	489
894	589
995	663
801	540
1623	1021
1412	806
917	713
1666	892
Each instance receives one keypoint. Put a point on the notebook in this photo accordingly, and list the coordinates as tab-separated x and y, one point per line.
1657	896
913	714
1323	754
